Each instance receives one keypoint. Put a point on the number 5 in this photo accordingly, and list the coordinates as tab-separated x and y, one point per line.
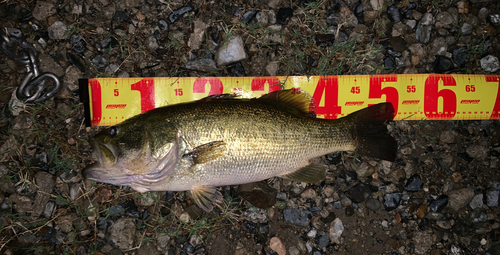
116	93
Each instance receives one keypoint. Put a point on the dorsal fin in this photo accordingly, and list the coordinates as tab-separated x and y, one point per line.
294	98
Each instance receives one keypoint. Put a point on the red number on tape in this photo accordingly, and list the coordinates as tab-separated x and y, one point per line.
216	86
496	108
432	93
147	89
376	90
95	88
259	82
329	87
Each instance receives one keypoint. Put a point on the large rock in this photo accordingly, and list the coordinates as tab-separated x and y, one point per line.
231	51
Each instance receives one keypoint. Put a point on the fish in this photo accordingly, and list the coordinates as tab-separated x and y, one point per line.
222	140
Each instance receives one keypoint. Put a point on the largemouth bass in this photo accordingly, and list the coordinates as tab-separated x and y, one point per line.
221	140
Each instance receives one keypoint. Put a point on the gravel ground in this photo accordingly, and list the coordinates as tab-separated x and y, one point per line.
439	197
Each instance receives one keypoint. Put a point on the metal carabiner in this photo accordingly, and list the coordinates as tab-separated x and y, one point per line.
40	82
24	60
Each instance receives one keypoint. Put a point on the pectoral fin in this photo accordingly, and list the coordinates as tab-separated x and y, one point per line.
205	196
311	173
207	152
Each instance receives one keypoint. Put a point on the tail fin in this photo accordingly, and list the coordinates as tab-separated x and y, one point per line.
370	131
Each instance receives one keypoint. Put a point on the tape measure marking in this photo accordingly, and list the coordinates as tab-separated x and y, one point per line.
109	101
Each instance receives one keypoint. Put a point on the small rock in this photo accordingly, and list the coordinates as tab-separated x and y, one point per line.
198	35
151	43
477	201
461	58
427	19
360	192
323	241
373	204
276	245
444	19
43	10
439	204
297	217
391	201
231	52
259	194
476	218
256	215
477	151
393	10
163	241
490	63
272	68
460	198
414	183
163	25
57	31
494	19
177	14
336	230
492	198
99	62
423	241
283	15
442	64
466	28
444	224
248	16
202	65
77	43
122	233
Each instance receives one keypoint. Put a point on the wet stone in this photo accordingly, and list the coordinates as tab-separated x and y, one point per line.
177	14
494	19
259	194
373	204
391	201
414	183
77	43
388	62
297	217
460	57
492	198
283	15
359	192
460	198
490	63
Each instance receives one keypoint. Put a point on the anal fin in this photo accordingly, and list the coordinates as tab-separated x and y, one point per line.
314	172
205	196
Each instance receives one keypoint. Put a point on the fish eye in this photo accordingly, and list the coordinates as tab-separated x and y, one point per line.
113	131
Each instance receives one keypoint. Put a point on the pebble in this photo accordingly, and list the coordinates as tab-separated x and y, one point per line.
393	10
490	63
423	242
439	204
177	14
442	64
297	217
477	201
196	38
373	204
202	65
323	241
461	58
276	245
283	15
57	31
255	215
466	28
475	218
77	43
477	151
391	201
122	233
494	19
460	198
259	194
99	62
231	52
360	192
492	198
272	68
414	183
43	10
249	15
336	230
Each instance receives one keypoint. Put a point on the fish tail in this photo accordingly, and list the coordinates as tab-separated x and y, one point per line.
370	131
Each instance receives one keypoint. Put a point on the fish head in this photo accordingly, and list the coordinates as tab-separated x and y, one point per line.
139	155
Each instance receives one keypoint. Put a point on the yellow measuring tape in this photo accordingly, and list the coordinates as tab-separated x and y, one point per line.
109	101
